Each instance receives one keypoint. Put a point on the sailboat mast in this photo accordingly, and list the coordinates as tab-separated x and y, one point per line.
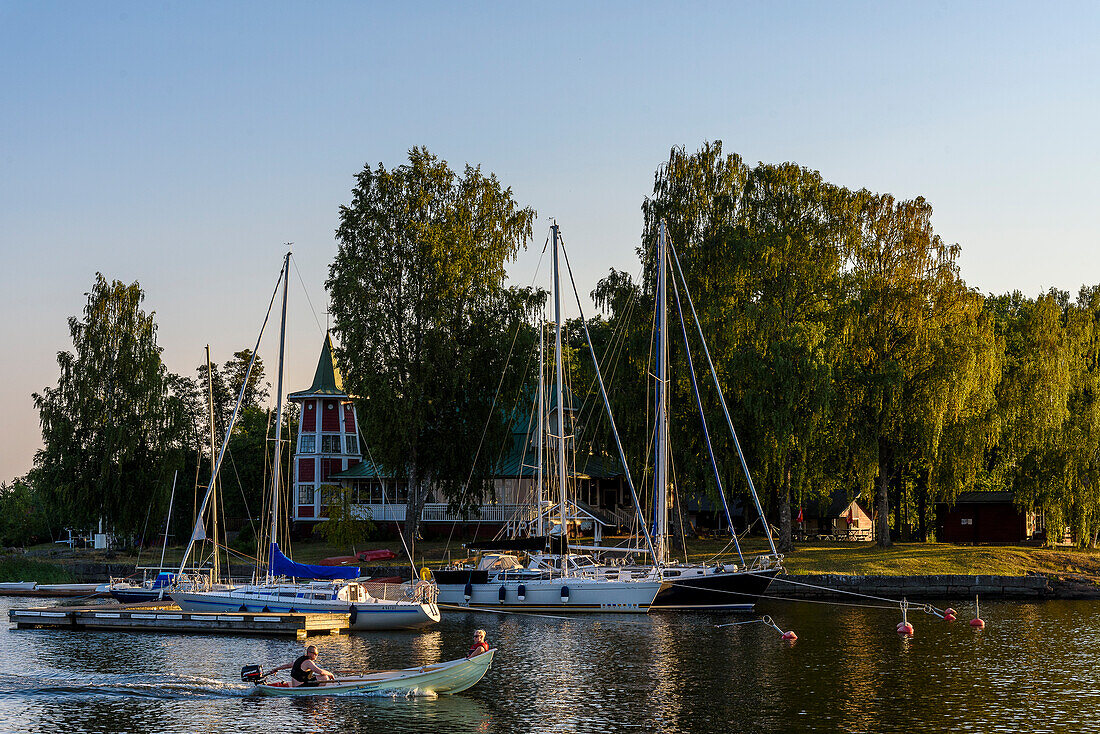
660	489
541	430
561	406
213	479
278	422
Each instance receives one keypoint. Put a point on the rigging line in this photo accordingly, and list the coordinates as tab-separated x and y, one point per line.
500	384
377	474
702	415
839	591
607	406
722	398
306	292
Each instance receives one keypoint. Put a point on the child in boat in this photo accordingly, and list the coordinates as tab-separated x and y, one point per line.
305	672
479	646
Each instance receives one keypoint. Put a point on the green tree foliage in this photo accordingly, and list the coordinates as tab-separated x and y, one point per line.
25	518
904	294
345	526
111	426
419	304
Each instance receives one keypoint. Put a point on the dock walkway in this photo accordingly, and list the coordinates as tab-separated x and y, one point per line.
168	617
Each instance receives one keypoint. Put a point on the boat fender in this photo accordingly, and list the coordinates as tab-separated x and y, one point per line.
243	608
267	610
564	594
468	591
521	592
502	594
353	614
293	610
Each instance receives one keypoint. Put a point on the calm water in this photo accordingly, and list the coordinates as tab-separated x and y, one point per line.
1032	669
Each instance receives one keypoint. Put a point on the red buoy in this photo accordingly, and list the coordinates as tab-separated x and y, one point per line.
904	628
950	611
977	623
790	635
949	616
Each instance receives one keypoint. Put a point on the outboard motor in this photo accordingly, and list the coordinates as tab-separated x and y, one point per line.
252	674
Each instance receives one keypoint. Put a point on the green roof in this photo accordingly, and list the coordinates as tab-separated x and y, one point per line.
327	379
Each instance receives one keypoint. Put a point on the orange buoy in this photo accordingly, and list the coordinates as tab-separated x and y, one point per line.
790	635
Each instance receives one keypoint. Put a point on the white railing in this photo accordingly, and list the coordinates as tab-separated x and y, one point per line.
439	512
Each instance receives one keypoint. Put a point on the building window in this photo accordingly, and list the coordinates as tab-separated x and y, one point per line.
353	444
305	494
330	444
308	445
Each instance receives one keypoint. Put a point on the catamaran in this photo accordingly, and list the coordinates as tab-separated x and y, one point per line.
332	589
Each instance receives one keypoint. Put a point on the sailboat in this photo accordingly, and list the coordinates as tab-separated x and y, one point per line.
570	583
722	586
332	589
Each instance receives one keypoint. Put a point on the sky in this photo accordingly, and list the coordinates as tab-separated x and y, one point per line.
181	145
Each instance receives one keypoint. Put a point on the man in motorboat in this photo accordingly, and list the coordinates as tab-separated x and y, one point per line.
306	672
479	646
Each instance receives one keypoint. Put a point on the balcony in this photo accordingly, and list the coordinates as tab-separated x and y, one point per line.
439	512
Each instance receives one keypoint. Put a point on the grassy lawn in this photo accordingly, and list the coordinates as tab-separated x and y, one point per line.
809	558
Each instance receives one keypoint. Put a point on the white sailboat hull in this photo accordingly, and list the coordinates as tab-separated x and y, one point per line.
545	595
372	614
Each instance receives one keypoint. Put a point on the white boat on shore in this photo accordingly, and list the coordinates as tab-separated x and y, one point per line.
453	676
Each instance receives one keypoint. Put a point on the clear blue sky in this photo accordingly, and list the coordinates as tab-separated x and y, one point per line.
179	144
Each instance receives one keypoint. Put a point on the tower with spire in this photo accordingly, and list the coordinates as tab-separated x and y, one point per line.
328	436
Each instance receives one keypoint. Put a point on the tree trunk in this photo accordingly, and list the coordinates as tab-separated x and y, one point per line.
882	523
413	504
922	504
786	545
899	503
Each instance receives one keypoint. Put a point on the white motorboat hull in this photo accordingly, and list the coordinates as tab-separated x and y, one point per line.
450	677
371	614
545	595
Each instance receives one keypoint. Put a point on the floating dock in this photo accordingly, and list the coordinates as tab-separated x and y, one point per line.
169	618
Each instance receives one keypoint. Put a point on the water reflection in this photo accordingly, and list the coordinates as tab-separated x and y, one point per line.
1031	669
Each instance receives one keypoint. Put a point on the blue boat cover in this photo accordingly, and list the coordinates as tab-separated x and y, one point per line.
163	580
283	566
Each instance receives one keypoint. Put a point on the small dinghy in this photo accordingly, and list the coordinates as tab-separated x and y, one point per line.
453	676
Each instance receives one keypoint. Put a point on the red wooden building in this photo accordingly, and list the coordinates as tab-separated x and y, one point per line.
328	437
985	517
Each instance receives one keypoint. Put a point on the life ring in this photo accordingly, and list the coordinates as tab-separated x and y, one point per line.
425	574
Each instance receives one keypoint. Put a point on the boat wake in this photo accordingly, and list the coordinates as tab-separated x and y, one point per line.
154	686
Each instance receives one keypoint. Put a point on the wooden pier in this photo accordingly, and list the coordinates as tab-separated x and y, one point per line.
169	618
